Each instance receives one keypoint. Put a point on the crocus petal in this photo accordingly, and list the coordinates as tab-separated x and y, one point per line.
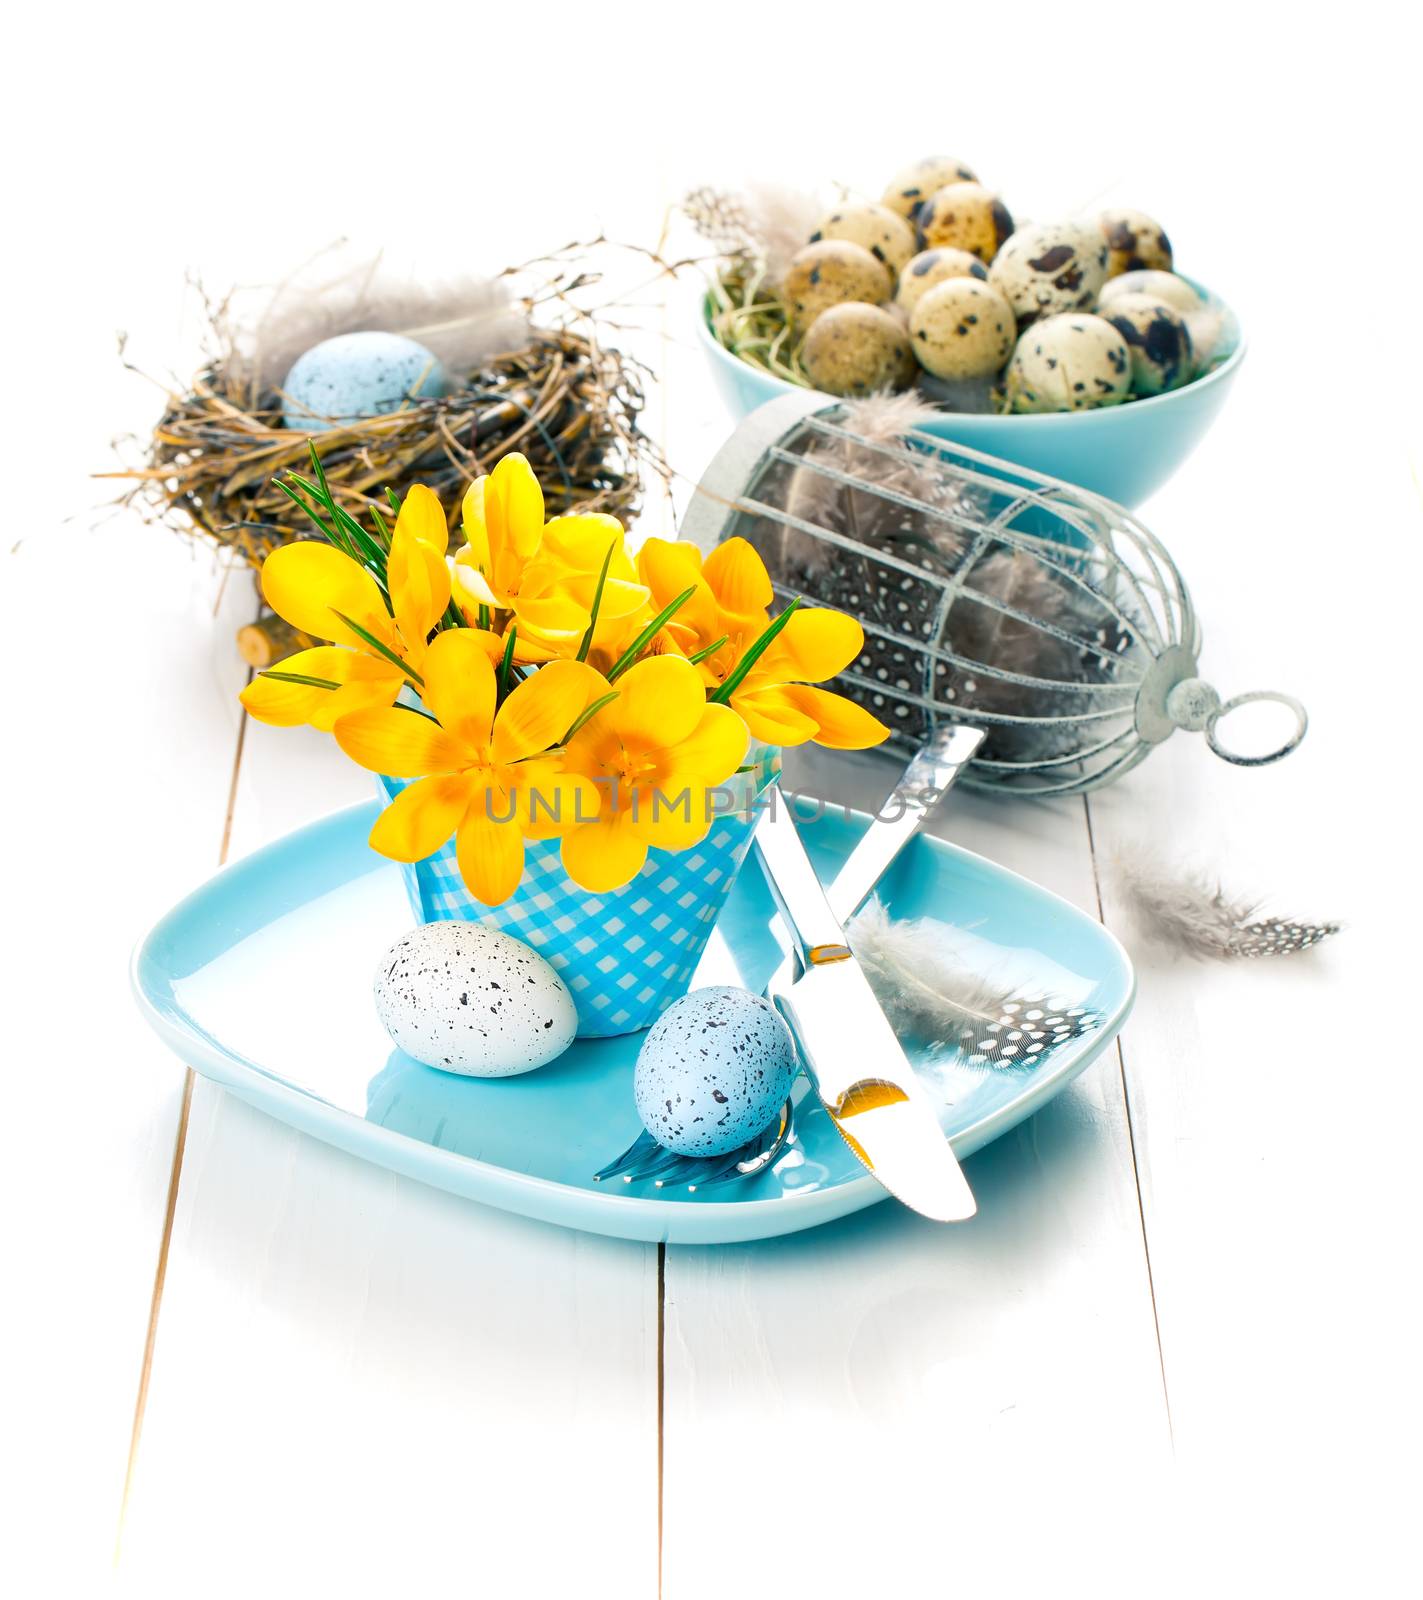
711	752
605	855
555	618
813	646
514	507
401	743
772	716
473	588
419	584
738	577
476	531
672	816
581	541
660	701
422	518
421	818
490	854
459	685
552	802
543	708
840	723
307	583
669	568
361	681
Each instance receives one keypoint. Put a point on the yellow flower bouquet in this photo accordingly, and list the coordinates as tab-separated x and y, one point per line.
571	740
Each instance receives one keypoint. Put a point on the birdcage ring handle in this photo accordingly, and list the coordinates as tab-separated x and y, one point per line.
1292	743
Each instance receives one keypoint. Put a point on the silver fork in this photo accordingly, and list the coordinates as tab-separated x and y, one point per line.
927	778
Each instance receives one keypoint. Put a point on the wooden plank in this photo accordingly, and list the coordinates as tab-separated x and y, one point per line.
110	816
408	1382
879	1390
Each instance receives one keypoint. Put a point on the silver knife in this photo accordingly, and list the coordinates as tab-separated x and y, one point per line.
854	1060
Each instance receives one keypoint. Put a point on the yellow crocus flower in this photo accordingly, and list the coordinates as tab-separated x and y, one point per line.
313	585
492	778
654	753
777	698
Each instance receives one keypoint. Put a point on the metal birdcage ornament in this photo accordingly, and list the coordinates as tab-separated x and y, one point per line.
989	594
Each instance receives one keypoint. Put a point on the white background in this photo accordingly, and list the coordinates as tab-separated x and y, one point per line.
1178	1345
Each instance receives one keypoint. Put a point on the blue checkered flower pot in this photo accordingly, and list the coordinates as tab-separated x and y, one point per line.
627	955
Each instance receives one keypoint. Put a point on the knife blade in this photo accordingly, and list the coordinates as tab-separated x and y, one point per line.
857	1065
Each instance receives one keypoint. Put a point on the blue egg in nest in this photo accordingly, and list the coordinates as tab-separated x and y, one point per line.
713	1071
358	375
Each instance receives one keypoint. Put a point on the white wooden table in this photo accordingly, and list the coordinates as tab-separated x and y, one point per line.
1169	1350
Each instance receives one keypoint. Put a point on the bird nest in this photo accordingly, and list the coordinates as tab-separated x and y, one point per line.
568	402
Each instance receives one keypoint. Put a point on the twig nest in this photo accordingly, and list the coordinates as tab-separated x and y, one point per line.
931	267
1050	267
1134	241
1158	340
830	273
857	349
884	233
966	216
962	329
358	375
1176	292
1071	362
912	186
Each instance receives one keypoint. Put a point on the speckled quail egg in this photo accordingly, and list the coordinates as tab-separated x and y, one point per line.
1050	267
884	233
828	274
1214	334
913	185
713	1071
472	1000
931	267
966	216
1176	292
1071	362
1157	338
855	349
962	329
1135	241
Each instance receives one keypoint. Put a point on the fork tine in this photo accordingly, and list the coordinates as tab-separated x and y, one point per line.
637	1152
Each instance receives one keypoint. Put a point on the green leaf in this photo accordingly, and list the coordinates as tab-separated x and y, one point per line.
738	673
501	688
710	650
378	647
588	714
394	499
649	633
587	644
326	532
297	677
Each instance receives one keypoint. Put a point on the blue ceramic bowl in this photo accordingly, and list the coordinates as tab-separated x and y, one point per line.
1124	452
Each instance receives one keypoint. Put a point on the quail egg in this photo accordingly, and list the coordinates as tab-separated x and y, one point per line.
827	274
884	233
856	349
931	267
1070	362
1135	241
966	216
1050	267
914	184
1157	338
1176	292
962	329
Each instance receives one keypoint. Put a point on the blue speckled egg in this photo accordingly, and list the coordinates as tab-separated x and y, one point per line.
713	1070
358	375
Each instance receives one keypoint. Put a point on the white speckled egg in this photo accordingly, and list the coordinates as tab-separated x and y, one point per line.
356	375
832	272
884	233
1158	340
1050	267
1176	292
713	1071
1072	362
962	329
911	187
470	999
1135	241
967	217
932	267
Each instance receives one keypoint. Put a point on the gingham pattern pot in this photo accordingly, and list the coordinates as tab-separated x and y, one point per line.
625	955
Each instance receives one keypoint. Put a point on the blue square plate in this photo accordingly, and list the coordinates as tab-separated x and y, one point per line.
261	979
